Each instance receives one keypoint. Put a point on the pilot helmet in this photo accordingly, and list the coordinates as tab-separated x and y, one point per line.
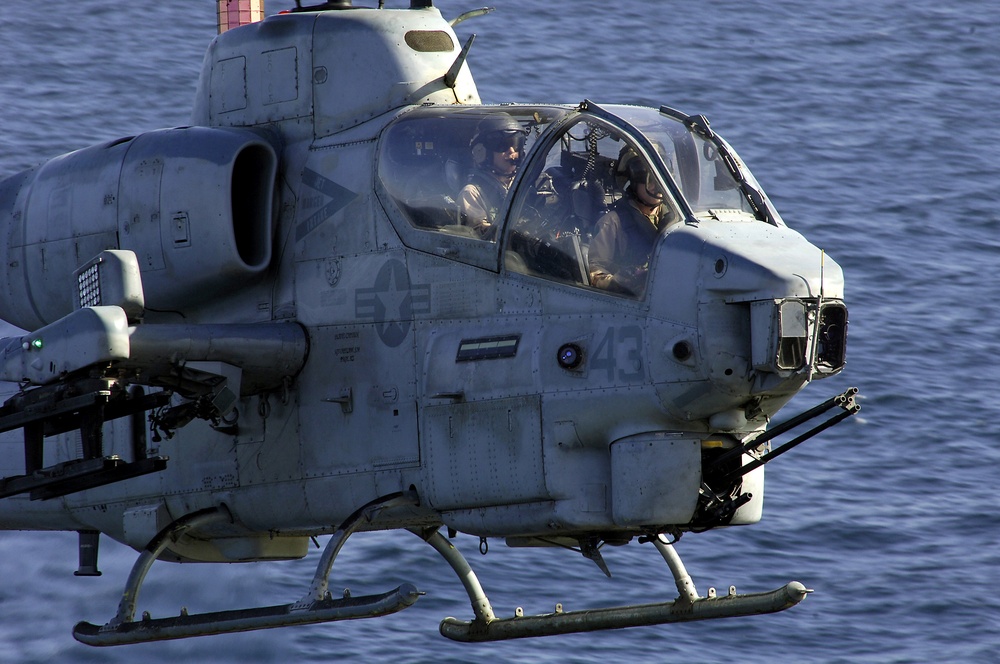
497	133
634	169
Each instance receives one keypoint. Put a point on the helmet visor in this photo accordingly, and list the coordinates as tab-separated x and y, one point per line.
501	141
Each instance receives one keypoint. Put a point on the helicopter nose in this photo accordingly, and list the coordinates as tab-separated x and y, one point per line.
792	294
765	316
762	262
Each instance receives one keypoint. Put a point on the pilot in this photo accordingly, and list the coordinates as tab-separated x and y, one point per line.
619	253
497	149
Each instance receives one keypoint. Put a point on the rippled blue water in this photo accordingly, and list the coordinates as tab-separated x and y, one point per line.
874	127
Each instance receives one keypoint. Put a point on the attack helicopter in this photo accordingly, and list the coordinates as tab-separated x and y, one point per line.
285	320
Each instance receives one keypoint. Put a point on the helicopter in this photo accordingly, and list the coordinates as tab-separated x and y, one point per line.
299	317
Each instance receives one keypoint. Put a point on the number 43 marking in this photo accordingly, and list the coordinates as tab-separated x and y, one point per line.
629	340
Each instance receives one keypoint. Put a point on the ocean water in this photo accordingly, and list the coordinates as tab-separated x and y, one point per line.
875	129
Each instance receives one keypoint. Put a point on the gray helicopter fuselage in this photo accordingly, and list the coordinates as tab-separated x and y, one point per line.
484	374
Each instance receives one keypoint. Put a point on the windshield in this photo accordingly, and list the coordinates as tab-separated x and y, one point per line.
590	210
696	164
594	200
449	169
584	203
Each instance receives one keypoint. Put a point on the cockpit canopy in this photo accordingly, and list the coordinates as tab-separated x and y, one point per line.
579	195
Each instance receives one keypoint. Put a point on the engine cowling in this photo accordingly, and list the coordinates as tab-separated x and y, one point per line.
195	204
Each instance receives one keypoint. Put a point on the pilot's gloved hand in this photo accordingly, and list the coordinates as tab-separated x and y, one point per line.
485	230
631	280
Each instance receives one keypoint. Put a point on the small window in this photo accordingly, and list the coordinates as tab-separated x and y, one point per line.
429	41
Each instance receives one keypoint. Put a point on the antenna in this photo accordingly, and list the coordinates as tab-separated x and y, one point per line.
471	14
451	78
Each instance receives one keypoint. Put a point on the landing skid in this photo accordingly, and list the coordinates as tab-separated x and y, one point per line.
317	606
688	606
245	620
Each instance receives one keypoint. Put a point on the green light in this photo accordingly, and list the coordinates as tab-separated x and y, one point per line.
36	344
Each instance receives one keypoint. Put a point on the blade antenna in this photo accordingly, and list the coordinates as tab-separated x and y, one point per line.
451	78
470	14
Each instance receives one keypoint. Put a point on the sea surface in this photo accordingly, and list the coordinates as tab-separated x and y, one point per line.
875	129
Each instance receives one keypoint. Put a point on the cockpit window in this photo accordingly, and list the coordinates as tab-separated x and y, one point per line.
449	169
696	164
593	197
590	212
